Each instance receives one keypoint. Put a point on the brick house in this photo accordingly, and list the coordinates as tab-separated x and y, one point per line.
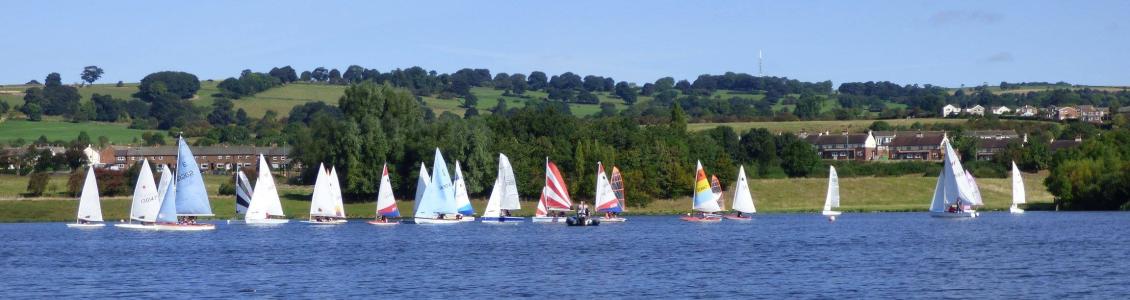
918	146
991	142
216	159
1089	113
883	143
856	146
1066	113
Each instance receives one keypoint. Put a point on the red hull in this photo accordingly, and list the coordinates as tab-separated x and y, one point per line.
700	219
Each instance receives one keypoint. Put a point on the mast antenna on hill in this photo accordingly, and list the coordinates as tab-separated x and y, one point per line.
760	58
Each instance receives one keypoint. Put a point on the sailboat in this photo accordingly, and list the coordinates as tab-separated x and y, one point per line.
325	203
743	200
189	198
504	196
89	208
421	184
437	204
462	200
832	199
605	197
243	192
617	182
703	200
146	199
541	213
1018	194
716	188
265	208
386	203
954	193
555	196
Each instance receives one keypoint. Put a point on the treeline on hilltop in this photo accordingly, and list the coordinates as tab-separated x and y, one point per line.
928	100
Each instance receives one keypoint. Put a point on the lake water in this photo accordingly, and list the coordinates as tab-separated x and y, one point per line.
877	255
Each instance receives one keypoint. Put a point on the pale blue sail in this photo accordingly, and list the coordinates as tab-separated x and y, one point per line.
192	198
168	212
439	196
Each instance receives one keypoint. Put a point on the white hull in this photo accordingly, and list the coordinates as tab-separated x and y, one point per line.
86	226
434	221
548	219
612	220
266	221
385	223
136	226
326	222
466	219
960	214
1015	209
181	227
503	220
831	213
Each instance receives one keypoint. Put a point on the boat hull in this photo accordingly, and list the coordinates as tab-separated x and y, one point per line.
86	226
511	220
613	220
466	219
954	215
548	219
831	213
704	219
383	223
266	221
327	222
739	218
582	221
136	226
185	227
431	221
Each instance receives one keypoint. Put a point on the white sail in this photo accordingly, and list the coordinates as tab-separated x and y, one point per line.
321	202
462	199
335	191
163	187
494	203
1018	193
89	209
509	184
832	199
422	182
386	203
265	199
605	199
976	190
952	188
146	201
743	200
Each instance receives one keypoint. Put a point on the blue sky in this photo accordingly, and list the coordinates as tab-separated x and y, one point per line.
944	42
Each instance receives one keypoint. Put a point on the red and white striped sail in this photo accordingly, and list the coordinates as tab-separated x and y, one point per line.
618	186
541	212
556	193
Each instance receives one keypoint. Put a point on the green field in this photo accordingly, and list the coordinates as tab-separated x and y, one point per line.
863	194
61	130
819	126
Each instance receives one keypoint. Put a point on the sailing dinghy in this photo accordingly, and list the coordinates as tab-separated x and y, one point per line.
325	204
386	203
832	199
186	197
504	196
437	204
146	199
243	192
89	208
954	194
703	200
1018	193
462	199
743	200
607	200
554	196
265	207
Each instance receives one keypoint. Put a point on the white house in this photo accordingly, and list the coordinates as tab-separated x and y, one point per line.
92	156
1000	110
976	110
1027	111
950	110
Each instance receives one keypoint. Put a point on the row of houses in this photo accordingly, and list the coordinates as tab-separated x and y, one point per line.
912	145
1085	113
210	158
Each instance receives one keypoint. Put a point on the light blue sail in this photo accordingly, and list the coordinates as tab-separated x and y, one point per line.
192	198
439	196
168	212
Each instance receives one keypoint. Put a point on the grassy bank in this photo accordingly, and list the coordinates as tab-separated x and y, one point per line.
865	194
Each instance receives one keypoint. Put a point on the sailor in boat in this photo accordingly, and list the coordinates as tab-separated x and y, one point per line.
506	212
382	219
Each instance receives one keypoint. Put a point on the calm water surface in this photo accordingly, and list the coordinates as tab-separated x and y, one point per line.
885	255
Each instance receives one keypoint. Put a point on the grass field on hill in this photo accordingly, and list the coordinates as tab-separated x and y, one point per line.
61	130
818	126
863	194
